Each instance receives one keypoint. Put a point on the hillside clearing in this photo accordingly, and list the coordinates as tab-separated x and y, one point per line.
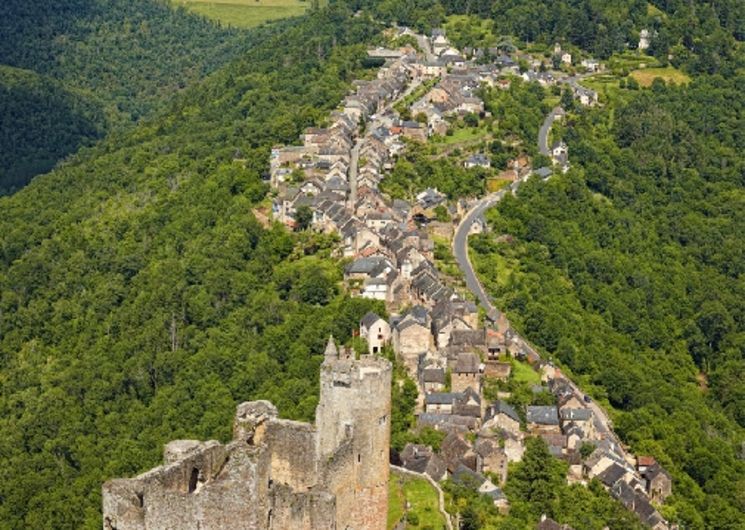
646	76
244	13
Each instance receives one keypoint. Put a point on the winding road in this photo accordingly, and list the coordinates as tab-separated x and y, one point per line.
545	129
460	251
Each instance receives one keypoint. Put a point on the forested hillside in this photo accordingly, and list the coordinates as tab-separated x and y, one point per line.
140	299
120	58
629	270
42	122
699	36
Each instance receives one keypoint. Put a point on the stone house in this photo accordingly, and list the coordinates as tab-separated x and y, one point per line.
501	416
466	373
439	402
456	451
443	327
376	331
659	483
422	459
581	417
433	379
414	131
440	43
412	339
542	419
493	457
477	160
474	339
497	370
467	403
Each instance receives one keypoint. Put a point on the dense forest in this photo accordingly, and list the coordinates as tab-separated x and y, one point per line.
42	122
104	63
629	271
140	299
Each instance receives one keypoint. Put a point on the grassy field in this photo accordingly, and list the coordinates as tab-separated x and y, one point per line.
669	74
422	501
245	13
630	60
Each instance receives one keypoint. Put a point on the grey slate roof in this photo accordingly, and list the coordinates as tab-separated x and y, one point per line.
611	475
369	319
433	375
441	398
575	414
468	363
542	415
502	407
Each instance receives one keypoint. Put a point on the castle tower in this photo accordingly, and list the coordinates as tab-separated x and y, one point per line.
353	422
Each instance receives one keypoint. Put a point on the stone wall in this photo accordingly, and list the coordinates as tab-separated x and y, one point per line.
276	474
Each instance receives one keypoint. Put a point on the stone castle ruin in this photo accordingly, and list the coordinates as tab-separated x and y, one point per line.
276	474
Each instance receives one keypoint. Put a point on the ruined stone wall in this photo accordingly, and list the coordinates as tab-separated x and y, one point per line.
212	486
276	474
292	446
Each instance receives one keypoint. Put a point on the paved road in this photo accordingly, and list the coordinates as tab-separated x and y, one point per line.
544	131
460	249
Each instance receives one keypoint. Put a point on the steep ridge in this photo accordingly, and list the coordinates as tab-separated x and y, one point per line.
120	59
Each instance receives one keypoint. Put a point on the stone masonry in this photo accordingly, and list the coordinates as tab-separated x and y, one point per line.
276	474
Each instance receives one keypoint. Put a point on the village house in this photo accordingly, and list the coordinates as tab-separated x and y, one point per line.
556	443
422	459
439	42
376	331
448	423
493	458
456	451
412	337
577	417
658	482
433	379
466	373
591	65
414	131
467	403
465	339
501	416
440	402
560	155
586	97
542	419
444	324
477	160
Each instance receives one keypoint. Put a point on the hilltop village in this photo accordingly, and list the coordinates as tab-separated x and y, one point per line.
333	474
437	333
